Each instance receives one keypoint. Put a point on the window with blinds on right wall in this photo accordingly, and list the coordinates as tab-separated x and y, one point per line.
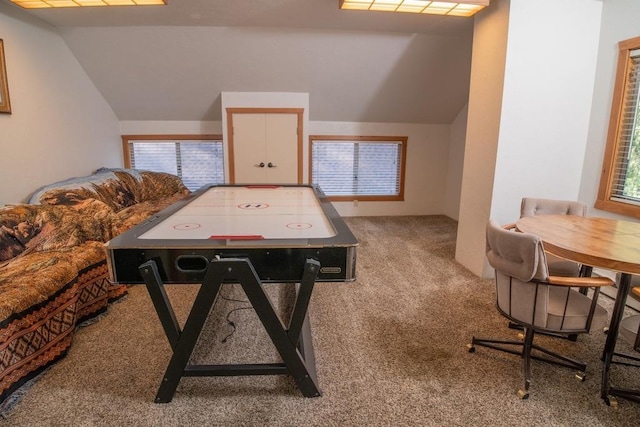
619	189
368	168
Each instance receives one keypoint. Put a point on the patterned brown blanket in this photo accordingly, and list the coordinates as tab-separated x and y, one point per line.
53	271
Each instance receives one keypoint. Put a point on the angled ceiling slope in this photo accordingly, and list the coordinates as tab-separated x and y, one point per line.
171	62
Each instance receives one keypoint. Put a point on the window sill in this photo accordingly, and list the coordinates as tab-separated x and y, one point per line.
620	208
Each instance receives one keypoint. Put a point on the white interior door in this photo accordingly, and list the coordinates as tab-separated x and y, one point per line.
249	148
265	148
282	148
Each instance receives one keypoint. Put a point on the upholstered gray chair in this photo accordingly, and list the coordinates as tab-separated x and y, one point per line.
527	295
630	332
531	206
630	328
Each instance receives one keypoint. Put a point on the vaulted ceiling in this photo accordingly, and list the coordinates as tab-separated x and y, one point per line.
172	62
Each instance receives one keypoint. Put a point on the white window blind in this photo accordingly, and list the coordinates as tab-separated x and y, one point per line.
626	179
196	162
358	168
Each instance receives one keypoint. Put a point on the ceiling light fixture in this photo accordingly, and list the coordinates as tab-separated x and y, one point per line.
450	8
41	4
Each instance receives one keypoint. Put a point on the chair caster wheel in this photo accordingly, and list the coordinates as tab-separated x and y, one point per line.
581	376
523	394
611	401
471	348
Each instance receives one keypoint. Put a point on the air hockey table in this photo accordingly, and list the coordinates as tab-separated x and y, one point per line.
244	234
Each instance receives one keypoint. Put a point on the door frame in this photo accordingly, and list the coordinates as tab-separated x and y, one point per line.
251	110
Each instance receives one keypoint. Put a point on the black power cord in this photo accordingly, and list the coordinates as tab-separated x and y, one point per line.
228	316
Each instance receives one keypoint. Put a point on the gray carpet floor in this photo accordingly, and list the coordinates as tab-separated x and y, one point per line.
390	350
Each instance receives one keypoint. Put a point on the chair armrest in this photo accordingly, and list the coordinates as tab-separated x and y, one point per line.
587	282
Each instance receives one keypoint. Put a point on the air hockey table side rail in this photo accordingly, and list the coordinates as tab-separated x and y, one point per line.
275	260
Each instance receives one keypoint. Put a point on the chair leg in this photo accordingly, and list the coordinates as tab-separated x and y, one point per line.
570	337
523	393
625	393
626	360
528	351
585	271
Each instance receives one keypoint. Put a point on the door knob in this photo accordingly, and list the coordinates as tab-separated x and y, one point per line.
271	165
260	165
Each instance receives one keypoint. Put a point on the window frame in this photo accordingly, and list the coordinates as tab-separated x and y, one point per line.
168	138
402	140
608	177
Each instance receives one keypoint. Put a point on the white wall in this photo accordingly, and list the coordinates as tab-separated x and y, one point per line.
165	127
620	21
483	127
547	96
61	125
455	165
549	77
426	168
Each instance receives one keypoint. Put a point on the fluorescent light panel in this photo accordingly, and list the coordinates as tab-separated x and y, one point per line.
461	8
41	4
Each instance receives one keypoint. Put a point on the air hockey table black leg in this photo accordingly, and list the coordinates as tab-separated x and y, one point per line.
302	371
182	342
293	343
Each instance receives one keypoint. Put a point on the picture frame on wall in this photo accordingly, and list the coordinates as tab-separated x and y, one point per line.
5	104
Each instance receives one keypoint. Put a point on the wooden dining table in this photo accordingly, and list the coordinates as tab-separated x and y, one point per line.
597	242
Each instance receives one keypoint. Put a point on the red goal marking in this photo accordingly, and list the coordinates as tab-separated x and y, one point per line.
253	205
187	226
299	225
